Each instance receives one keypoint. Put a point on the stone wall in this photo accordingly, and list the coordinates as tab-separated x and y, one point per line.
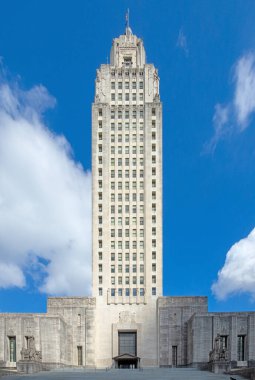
204	328
173	316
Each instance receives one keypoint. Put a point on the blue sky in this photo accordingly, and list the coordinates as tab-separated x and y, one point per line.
204	51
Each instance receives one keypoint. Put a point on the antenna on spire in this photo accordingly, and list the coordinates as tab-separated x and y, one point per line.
128	29
127	18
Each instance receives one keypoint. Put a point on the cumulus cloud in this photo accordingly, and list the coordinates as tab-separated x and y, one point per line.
236	115
45	208
238	273
182	42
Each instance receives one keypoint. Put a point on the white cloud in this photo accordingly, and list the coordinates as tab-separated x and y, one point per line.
45	199
236	115
238	272
220	119
182	42
244	99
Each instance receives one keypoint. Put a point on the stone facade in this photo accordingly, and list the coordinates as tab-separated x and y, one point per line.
128	321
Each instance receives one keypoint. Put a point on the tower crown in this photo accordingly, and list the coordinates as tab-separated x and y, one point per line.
127	50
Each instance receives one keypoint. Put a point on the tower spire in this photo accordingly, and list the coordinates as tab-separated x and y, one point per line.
128	30
127	19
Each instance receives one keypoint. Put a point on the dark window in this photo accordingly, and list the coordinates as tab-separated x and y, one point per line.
79	352
127	343
241	347
12	347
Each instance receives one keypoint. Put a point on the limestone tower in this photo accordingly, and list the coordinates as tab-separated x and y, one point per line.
127	190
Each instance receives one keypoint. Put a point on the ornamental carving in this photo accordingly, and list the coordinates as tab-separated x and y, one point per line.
30	353
126	317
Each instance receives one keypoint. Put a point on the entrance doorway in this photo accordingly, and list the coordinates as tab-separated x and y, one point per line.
174	356
79	353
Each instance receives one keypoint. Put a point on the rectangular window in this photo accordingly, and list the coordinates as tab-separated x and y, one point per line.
12	348
153	291
100	291
241	347
127	343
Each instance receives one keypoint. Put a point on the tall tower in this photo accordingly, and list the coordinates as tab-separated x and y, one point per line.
127	182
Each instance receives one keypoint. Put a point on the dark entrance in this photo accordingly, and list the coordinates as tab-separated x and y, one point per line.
127	361
127	357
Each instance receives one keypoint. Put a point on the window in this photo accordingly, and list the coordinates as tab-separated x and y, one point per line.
119	268
119	85
120	292
134	85
127	280
119	256
113	280
153	112
112	256
127	292
112	221
100	291
153	267
153	291
134	268
112	85
141	256
153	255
120	280
140	85
153	231
141	268
100	279
134	280
134	292
127	256
100	268
127	85
154	279
100	112
120	96
112	292
119	221
241	347
134	256
112	233
112	268
112	186
126	97
12	348
112	97
100	256
142	292
141	280
127	268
